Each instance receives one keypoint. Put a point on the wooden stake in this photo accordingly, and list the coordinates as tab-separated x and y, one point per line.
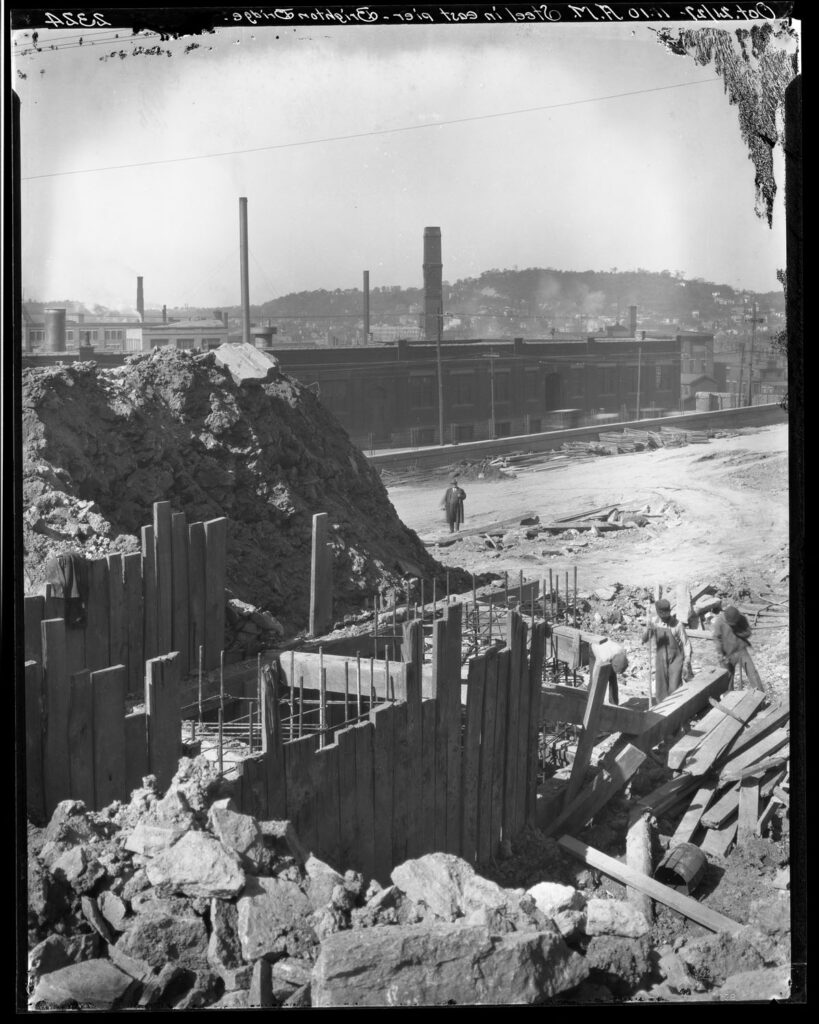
222	680
434	598
292	689
491	602
358	684
220	748
346	691
250	730
447	586
322	704
575	596
551	598
201	659
506	588
372	683
301	706
422	600
567	597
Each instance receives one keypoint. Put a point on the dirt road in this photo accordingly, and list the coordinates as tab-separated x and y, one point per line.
722	508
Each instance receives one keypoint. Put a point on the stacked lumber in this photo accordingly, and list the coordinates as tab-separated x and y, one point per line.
737	758
642	436
621	442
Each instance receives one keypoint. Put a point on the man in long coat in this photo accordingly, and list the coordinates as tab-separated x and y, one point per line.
453	505
673	649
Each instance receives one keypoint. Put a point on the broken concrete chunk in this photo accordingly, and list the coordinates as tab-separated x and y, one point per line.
197	865
49	955
238	833
149	840
436	880
615	917
92	915
267	909
90	985
158	938
322	881
113	910
442	964
552	898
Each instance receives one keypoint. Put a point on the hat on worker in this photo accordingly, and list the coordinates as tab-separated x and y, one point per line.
662	605
732	615
619	662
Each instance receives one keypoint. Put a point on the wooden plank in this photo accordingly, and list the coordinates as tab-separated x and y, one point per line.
337	667
616	772
117	625
307	827
327	806
486	758
517	654
321	577
568	704
748	811
429	715
718	739
665	718
762	725
764	818
164	577
364	820
33	614
470	768
522	735
179	589
499	756
688	743
81	731
441	683
215	564
134	621
346	789
536	654
415	791
757	752
108	692
162	708
690	821
400	787
720	811
55	688
454	624
597	690
273	749
666	795
150	647
664	894
196	591
383	743
718	841
137	764
35	721
97	616
412	647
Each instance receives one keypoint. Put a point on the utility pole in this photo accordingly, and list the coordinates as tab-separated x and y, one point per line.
492	356
243	261
741	367
440	319
754	321
639	367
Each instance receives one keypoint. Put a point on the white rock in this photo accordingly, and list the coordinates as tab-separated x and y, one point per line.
615	917
552	898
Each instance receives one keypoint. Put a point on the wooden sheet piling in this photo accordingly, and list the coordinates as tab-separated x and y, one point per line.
97	616
536	656
401	782
346	793
273	748
134	614
196	587
215	567
108	692
513	643
56	697
414	791
364	819
470	770
322	707
150	646
35	725
454	623
162	708
33	614
358	685
321	577
383	742
179	589
441	683
81	757
164	576
498	760
117	625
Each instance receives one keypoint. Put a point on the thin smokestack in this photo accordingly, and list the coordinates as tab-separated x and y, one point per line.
632	321
245	280
55	330
140	305
164	314
366	290
433	286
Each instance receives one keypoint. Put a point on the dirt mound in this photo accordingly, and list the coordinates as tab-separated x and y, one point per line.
100	446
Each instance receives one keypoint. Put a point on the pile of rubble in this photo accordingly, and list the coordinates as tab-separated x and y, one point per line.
101	445
179	901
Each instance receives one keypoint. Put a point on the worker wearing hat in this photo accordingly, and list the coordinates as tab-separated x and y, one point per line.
673	656
611	659
732	638
453	505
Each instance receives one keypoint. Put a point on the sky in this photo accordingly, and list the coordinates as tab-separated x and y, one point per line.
547	163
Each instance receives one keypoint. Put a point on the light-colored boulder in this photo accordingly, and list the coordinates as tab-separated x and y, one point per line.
322	881
238	833
552	898
615	917
267	909
150	838
224	948
756	986
89	985
49	955
158	938
113	910
436	880
442	964
197	865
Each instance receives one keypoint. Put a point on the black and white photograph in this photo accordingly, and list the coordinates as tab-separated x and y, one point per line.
405	444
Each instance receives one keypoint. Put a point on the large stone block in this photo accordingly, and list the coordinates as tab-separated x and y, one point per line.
615	917
151	838
436	880
197	865
268	909
89	985
158	938
442	964
224	947
239	833
552	898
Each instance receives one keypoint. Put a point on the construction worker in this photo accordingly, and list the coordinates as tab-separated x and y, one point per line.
732	633
612	661
673	649
453	505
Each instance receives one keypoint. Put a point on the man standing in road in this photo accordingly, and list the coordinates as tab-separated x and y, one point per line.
732	637
453	504
673	649
612	660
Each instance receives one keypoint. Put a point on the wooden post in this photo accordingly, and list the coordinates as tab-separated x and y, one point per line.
364	819
521	736
591	718
301	705
179	588
81	725
134	625
108	691
454	620
33	614
117	625
346	794
55	685
322	705
536	655
321	578
358	684
149	636
383	721
164	576
97	616
512	746
346	691
35	720
486	773
215	563
638	858
470	769
414	794
196	587
273	749
163	709
439	675
401	778
499	758
551	598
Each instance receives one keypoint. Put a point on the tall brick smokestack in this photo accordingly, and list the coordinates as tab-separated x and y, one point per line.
433	287
140	300
632	321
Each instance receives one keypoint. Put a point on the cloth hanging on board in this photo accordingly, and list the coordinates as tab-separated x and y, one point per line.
68	574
